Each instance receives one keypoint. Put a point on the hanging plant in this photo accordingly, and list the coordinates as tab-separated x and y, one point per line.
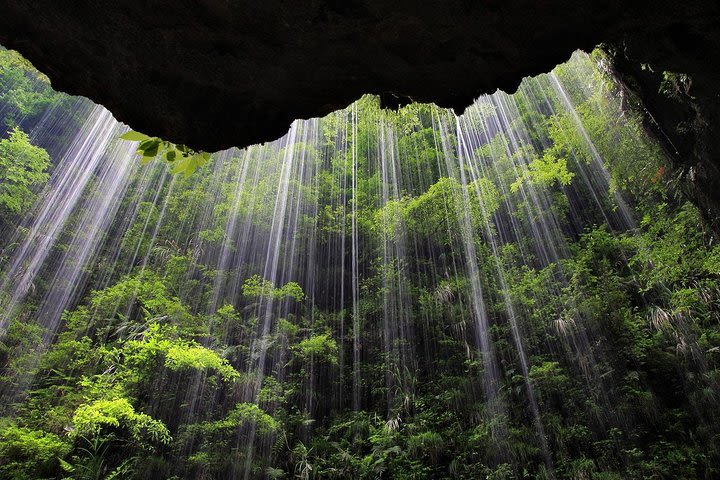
182	159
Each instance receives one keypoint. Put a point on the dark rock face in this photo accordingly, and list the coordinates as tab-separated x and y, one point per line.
218	73
676	77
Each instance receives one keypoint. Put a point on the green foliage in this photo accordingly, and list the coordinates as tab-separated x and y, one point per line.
670	260
258	287
484	199
102	416
178	354
245	413
23	167
27	453
290	290
91	462
428	213
436	212
23	89
18	351
179	157
426	444
546	171
181	357
216	438
321	346
549	376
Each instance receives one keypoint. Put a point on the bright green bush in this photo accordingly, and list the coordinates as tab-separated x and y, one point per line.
26	453
102	417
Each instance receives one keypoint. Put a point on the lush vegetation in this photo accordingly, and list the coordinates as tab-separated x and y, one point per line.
512	294
22	166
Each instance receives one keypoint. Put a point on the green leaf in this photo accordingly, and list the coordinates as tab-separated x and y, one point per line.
149	143
187	165
134	136
68	467
149	148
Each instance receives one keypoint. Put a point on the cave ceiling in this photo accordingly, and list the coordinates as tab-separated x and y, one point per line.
217	73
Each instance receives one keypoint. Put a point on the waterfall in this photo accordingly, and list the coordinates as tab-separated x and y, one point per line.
340	273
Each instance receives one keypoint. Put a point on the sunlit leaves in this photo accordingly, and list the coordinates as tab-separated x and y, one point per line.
185	356
256	286
177	353
484	198
182	159
259	287
437	212
390	219
134	136
321	346
187	164
102	416
243	414
23	89
23	167
546	171
28	453
291	290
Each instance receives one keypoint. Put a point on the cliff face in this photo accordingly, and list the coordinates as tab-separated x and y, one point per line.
676	78
214	73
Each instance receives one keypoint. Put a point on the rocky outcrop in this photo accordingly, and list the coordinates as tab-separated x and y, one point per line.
676	78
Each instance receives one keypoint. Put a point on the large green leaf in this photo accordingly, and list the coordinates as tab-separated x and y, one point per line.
134	136
187	165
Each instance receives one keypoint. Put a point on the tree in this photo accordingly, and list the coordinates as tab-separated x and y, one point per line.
23	89
23	167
